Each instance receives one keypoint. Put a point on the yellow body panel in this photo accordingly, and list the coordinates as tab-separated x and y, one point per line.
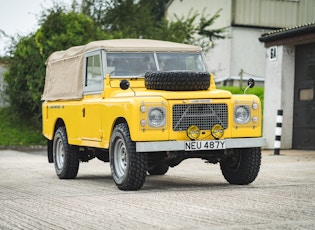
90	121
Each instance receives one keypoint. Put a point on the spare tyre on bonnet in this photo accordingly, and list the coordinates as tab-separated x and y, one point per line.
177	80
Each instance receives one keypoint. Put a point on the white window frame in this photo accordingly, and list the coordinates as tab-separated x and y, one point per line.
93	89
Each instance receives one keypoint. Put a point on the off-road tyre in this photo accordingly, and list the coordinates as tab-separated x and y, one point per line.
177	80
160	169
241	167
128	167
65	157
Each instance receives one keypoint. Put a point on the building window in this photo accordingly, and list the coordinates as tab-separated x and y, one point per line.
306	94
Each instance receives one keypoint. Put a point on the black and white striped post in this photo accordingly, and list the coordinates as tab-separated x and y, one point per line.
278	132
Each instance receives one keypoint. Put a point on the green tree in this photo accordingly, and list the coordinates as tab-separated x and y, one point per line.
146	19
93	20
126	17
59	30
156	7
194	29
24	75
92	8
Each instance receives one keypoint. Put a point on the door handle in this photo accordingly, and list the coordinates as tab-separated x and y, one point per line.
83	112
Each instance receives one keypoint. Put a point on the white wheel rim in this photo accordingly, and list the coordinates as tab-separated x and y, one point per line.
120	158
60	153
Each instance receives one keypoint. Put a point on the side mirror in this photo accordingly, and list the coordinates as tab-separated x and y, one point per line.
124	84
250	83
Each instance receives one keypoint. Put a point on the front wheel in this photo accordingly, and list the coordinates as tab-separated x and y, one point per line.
127	166
65	157
241	166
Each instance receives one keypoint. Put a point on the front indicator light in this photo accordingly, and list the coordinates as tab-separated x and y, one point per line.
143	122
255	106
143	109
255	119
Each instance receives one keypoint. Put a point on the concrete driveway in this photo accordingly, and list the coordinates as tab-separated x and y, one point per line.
193	195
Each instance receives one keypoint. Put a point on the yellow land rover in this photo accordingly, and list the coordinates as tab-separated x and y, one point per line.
145	106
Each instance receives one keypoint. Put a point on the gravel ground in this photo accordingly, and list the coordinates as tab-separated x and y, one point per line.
193	195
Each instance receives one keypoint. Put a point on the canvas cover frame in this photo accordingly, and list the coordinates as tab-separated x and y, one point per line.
65	70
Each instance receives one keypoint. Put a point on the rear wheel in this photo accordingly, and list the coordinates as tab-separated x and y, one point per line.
127	166
65	156
241	167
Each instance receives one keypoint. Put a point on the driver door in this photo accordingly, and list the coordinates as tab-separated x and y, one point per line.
91	121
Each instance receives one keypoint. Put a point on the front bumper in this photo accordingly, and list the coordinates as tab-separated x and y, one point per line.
180	145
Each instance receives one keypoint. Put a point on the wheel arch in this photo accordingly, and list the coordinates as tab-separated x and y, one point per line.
59	123
118	121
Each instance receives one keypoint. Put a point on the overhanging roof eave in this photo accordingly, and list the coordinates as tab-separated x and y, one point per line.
287	33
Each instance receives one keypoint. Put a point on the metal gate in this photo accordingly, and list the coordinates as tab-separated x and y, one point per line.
304	98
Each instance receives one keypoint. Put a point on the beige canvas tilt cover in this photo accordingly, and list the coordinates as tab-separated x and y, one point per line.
64	69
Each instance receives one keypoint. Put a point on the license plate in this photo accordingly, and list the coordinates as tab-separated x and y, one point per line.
204	145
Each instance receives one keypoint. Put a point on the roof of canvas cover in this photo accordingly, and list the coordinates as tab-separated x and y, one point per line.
64	69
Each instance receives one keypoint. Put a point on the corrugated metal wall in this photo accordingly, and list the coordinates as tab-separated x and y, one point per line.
273	13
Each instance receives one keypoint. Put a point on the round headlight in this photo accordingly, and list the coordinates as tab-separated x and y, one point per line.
241	114
156	116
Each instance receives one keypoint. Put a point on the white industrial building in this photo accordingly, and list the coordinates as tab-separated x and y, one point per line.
246	21
290	85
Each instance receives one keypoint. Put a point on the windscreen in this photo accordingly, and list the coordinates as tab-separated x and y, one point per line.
181	61
127	64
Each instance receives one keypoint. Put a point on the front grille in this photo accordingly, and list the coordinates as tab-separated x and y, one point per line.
202	115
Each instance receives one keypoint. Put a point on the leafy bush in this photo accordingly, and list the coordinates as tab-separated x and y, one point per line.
26	69
17	131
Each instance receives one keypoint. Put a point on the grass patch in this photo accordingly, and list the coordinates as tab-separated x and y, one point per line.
16	131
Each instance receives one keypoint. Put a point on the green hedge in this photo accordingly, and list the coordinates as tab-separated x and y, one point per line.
257	90
18	131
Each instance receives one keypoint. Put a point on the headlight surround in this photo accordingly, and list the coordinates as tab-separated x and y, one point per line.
156	116
242	114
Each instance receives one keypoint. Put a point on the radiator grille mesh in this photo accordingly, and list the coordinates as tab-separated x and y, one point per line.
202	115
